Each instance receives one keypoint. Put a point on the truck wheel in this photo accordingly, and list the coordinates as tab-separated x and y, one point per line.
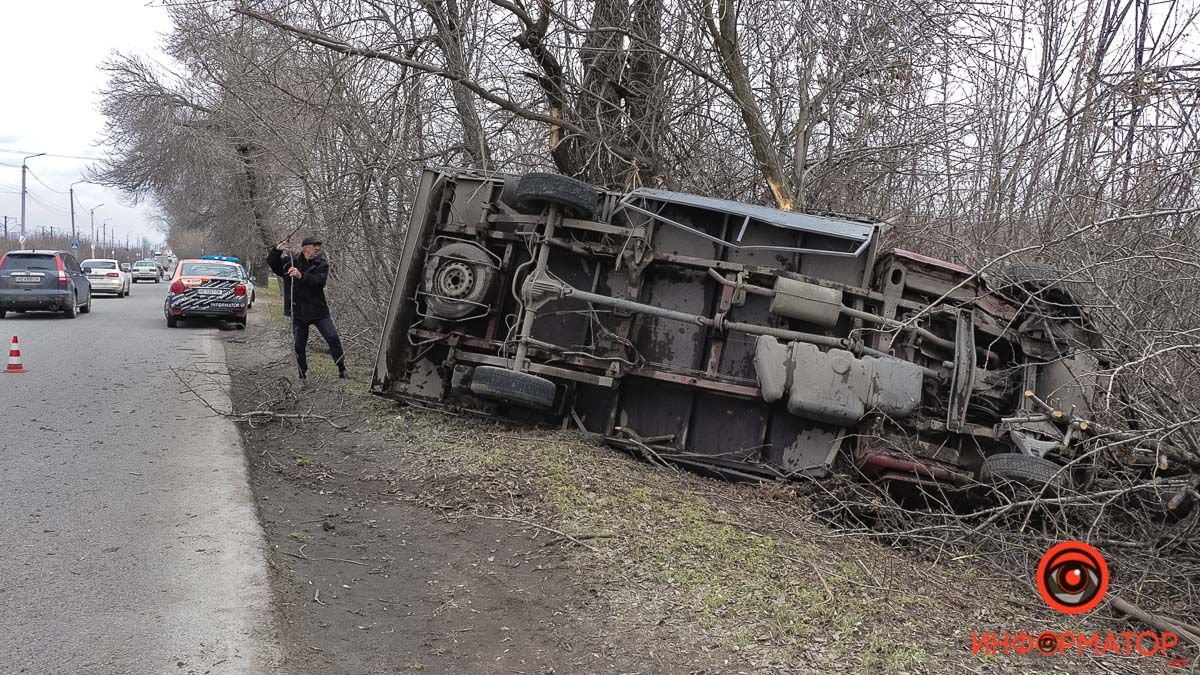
458	279
1030	473
536	191
509	386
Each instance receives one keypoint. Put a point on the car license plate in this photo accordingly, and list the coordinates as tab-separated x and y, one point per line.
27	280
210	291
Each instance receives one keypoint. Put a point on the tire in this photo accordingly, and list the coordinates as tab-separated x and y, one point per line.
536	191
172	322
87	309
157	280
70	310
1031	473
458	278
508	192
523	389
241	325
3	312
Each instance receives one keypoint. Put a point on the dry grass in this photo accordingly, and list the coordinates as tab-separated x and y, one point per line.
741	570
734	567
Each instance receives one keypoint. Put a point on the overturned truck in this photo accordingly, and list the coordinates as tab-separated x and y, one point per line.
733	339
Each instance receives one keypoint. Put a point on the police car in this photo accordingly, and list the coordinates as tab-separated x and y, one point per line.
210	287
247	280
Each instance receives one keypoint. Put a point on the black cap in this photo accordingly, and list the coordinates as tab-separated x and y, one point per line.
311	240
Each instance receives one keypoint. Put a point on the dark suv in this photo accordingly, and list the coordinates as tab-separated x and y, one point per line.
43	280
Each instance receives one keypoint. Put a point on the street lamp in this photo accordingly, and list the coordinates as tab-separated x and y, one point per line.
94	229
72	191
23	170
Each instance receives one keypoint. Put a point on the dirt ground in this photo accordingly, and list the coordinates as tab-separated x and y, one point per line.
405	539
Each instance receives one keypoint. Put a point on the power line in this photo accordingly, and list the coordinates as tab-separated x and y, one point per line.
49	207
48	154
35	177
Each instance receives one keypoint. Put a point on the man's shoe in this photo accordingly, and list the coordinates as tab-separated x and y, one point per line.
345	375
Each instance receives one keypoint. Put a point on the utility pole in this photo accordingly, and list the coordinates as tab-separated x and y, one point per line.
5	228
93	240
74	236
23	170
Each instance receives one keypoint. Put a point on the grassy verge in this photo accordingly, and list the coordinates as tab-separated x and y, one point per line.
734	567
743	570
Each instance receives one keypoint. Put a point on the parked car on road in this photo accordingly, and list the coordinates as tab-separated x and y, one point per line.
735	339
106	276
247	280
207	288
146	270
43	280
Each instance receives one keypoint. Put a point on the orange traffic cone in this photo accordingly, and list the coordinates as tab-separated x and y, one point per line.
14	358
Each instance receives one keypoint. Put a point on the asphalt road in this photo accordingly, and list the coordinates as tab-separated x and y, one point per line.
129	541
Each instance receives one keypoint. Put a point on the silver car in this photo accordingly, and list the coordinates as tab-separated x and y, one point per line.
146	270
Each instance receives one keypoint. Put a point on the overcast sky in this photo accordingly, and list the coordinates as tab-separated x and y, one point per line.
50	53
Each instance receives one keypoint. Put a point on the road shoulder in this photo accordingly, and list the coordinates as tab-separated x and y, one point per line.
418	540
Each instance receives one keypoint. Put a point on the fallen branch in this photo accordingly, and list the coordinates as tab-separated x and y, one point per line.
581	537
252	416
1157	621
540	527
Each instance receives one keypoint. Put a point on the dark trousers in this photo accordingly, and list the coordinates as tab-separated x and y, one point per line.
327	330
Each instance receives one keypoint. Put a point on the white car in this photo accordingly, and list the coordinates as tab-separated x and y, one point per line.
146	270
106	276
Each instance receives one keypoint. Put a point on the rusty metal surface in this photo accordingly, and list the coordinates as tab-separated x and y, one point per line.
933	262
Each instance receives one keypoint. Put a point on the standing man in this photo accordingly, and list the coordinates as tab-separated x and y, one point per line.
304	280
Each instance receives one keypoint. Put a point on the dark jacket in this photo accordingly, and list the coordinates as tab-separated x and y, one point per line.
306	295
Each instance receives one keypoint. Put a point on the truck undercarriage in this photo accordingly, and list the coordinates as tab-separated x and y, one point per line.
734	339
